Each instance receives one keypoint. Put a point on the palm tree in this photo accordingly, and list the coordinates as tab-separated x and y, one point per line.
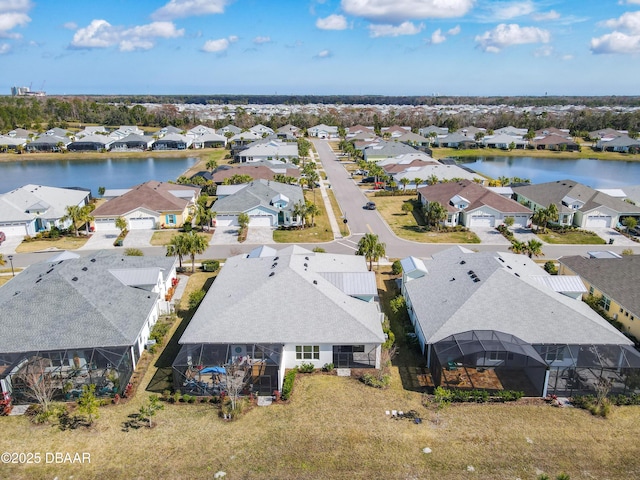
203	215
300	211
517	246
540	218
404	181
417	181
87	218
503	181
211	164
630	223
74	214
552	213
121	224
313	210
371	248
534	248
177	247
195	245
432	180
435	213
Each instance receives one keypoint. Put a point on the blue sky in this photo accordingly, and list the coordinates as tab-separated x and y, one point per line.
387	47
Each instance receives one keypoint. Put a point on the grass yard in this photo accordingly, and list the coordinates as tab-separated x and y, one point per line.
344	227
319	234
409	226
334	428
62	243
4	279
587	152
573	237
161	238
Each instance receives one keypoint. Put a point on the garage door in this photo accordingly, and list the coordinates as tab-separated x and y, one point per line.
103	224
13	229
482	221
261	221
598	222
226	220
143	223
520	220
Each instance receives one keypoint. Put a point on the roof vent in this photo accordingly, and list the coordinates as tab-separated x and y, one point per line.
452	279
272	274
501	259
470	272
75	279
306	265
509	267
275	258
50	270
84	269
306	258
463	262
93	260
274	265
38	280
517	274
476	280
315	282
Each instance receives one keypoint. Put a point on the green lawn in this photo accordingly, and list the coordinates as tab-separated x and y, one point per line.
573	237
163	237
319	234
497	152
62	243
410	226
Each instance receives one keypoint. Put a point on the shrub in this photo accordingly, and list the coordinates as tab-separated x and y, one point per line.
328	367
375	381
287	385
550	268
306	367
210	265
391	338
133	252
187	227
195	298
319	250
160	329
396	267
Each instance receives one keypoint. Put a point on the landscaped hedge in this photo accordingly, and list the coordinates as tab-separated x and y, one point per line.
395	193
287	385
483	396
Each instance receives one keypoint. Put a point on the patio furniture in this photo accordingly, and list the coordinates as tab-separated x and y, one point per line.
452	365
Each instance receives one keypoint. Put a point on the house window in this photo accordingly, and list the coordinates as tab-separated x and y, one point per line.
170	219
552	354
307	352
591	290
605	303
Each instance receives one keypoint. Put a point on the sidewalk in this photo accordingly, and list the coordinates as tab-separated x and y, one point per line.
333	221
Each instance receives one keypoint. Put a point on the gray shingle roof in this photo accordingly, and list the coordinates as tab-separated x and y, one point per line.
283	299
618	278
76	303
258	193
448	301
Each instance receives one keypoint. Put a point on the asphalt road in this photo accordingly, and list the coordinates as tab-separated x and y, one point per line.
360	221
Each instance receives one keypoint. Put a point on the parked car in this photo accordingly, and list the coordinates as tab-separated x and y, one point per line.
370	206
369	180
3	237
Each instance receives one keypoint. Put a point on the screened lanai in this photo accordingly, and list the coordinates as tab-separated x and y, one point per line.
577	369
490	359
201	369
65	372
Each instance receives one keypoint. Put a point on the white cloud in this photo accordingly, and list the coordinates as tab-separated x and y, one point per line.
437	37
232	38
324	54
212	46
15	5
70	25
189	8
405	28
101	34
513	34
629	2
261	40
546	16
332	22
454	31
544	51
508	10
616	42
567	57
11	20
5	48
629	22
396	11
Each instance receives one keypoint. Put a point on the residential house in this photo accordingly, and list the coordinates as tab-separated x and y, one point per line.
242	139
577	204
605	133
394	131
504	142
91	131
90	143
209	140
414	140
229	129
330	316
357	129
268	204
621	143
472	205
11	143
615	282
501	320
125	131
455	140
561	132
433	131
271	150
58	132
431	170
323	131
471	131
262	130
200	130
48	143
511	131
132	142
80	321
289	130
256	170
169	129
632	194
147	206
386	149
173	141
30	209
555	142
21	133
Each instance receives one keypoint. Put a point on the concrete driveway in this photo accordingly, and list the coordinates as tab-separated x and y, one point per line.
255	236
225	236
260	235
101	240
525	234
608	234
10	244
490	236
138	238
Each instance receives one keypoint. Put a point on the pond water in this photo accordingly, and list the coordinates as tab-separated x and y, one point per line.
591	172
92	173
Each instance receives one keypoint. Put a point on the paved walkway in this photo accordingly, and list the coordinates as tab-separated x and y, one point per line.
335	226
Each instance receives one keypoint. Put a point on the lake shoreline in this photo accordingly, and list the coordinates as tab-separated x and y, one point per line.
586	154
48	156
